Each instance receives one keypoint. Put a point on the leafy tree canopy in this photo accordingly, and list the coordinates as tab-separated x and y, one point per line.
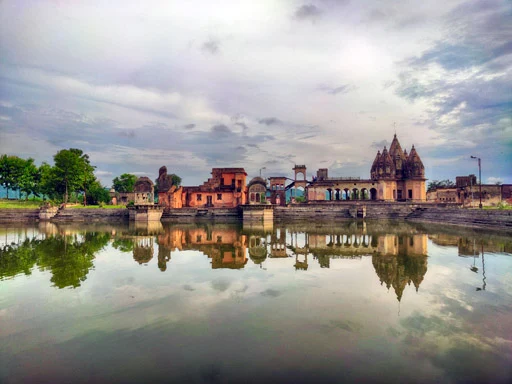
73	171
124	183
436	184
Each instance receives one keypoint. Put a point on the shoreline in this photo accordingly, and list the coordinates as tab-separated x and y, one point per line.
312	212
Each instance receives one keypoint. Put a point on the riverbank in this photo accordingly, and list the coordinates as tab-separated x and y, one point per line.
330	212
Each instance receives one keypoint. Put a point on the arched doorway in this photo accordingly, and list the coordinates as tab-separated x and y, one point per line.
355	194
373	194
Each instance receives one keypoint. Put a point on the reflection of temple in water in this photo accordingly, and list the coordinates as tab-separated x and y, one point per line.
402	260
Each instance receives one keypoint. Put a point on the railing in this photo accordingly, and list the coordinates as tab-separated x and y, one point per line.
350	178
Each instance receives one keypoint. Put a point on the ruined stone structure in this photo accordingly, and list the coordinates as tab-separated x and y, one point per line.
169	195
394	176
144	191
144	208
467	192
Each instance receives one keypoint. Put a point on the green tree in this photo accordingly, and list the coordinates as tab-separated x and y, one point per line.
124	183
11	170
176	180
73	172
29	178
436	184
97	194
48	181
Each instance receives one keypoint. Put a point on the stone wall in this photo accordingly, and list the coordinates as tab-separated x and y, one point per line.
480	218
91	215
19	215
326	212
434	213
187	214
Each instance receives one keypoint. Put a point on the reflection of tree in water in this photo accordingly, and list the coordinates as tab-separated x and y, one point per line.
18	258
398	271
123	244
67	257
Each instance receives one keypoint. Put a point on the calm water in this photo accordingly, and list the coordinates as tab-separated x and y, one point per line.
374	302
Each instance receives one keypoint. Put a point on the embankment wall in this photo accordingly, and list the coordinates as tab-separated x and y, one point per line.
18	215
443	214
428	213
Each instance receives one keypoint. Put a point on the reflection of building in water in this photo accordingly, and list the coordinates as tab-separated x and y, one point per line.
469	246
143	236
257	249
226	247
278	243
143	249
301	265
401	260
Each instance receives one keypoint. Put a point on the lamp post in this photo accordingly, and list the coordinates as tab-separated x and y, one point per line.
479	178
261	169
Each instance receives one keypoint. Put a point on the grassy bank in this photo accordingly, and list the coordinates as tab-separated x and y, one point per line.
10	204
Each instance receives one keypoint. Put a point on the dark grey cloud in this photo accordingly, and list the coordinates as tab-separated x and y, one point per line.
344	88
211	46
189	126
220	130
220	285
308	12
270	121
271	293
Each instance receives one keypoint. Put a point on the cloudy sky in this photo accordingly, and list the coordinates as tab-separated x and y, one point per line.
200	84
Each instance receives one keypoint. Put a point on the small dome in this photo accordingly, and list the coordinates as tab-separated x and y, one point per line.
258	180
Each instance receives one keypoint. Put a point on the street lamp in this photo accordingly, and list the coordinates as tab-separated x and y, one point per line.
479	178
261	169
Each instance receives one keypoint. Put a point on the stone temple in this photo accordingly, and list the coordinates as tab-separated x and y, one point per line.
395	175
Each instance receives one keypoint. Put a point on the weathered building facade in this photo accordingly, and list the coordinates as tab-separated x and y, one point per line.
225	189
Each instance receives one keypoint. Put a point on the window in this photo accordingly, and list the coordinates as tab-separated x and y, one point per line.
199	197
219	196
233	183
410	193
